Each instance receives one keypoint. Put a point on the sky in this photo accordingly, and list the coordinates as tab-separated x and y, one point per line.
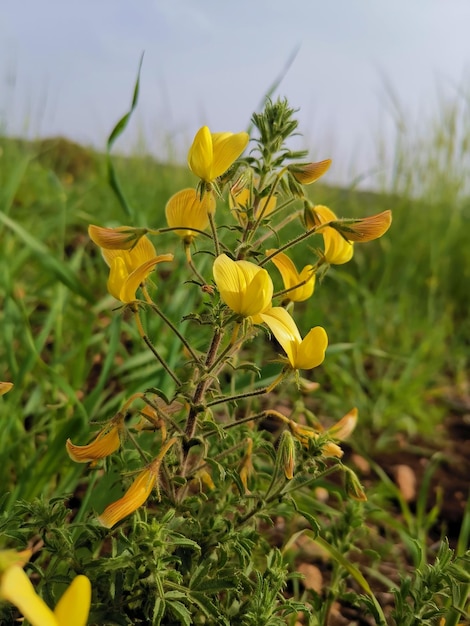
68	68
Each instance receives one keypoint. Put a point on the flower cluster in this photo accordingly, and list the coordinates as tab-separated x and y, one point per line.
262	194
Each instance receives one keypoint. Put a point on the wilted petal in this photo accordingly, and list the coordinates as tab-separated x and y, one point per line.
366	228
74	605
342	429
107	441
5	388
310	172
120	238
134	497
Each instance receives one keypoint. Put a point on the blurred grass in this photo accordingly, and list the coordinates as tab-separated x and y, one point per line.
397	315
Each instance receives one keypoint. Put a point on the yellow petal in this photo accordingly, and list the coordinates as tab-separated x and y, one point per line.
284	329
311	351
134	497
123	286
310	172
291	278
139	275
5	388
186	209
13	557
266	206
16	587
227	147
258	295
337	249
118	274
200	155
74	605
245	287
107	441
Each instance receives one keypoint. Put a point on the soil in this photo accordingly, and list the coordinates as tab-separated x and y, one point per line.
408	466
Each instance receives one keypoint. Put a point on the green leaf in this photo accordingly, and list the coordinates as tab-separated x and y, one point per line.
181	612
49	262
115	133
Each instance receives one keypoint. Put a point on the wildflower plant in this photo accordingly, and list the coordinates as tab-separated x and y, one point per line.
211	462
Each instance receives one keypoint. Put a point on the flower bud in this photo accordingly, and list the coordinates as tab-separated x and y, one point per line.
353	487
286	453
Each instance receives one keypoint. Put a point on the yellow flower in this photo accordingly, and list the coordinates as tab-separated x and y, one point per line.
129	268
5	388
337	249
245	287
242	204
211	154
120	238
105	443
134	497
301	353
71	610
291	277
186	209
309	172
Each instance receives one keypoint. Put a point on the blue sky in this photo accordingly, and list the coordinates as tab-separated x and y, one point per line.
68	68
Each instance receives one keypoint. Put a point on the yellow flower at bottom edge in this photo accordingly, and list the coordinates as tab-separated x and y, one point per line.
301	353
245	287
291	277
71	610
211	154
186	210
129	268
337	249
